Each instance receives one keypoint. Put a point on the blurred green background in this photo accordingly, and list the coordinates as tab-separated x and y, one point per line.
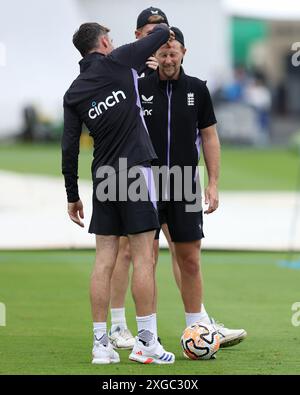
242	168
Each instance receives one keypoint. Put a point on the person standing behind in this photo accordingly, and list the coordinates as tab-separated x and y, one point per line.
180	118
119	333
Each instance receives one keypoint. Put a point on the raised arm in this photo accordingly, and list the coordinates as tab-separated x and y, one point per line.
136	54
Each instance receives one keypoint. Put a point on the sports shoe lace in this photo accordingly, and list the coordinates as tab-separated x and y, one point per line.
126	334
216	323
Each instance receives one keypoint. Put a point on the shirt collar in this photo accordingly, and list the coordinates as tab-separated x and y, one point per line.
175	83
88	59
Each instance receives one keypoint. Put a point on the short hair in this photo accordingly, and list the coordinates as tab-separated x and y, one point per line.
86	37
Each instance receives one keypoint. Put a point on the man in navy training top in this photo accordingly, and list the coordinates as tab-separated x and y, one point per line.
104	96
187	249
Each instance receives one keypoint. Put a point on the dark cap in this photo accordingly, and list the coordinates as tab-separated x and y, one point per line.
151	15
178	34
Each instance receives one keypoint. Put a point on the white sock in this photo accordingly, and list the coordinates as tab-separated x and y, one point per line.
205	318
191	318
154	329
99	329
118	318
147	323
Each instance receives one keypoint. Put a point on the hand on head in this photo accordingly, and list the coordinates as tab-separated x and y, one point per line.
172	36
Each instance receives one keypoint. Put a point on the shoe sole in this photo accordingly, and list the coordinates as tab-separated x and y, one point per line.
99	361
122	348
115	347
148	360
234	341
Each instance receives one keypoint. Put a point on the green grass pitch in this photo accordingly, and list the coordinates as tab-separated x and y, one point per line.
241	168
49	327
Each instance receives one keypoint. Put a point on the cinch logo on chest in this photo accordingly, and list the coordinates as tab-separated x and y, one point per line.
98	108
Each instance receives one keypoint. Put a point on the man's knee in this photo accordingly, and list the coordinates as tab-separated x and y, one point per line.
124	252
102	266
189	265
188	258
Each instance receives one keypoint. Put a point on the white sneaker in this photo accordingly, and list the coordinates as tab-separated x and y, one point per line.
152	353
229	337
104	354
121	339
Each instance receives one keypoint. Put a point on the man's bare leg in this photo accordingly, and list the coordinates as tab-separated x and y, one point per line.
176	270
188	257
106	255
119	334
120	277
175	266
146	348
142	286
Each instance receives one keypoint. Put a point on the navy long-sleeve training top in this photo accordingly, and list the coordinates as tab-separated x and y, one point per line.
105	98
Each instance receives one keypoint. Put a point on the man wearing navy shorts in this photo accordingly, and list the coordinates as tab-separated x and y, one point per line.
104	96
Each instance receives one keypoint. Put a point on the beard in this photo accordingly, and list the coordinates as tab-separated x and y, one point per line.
170	72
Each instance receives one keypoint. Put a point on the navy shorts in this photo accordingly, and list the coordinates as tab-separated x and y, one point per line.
183	226
119	218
